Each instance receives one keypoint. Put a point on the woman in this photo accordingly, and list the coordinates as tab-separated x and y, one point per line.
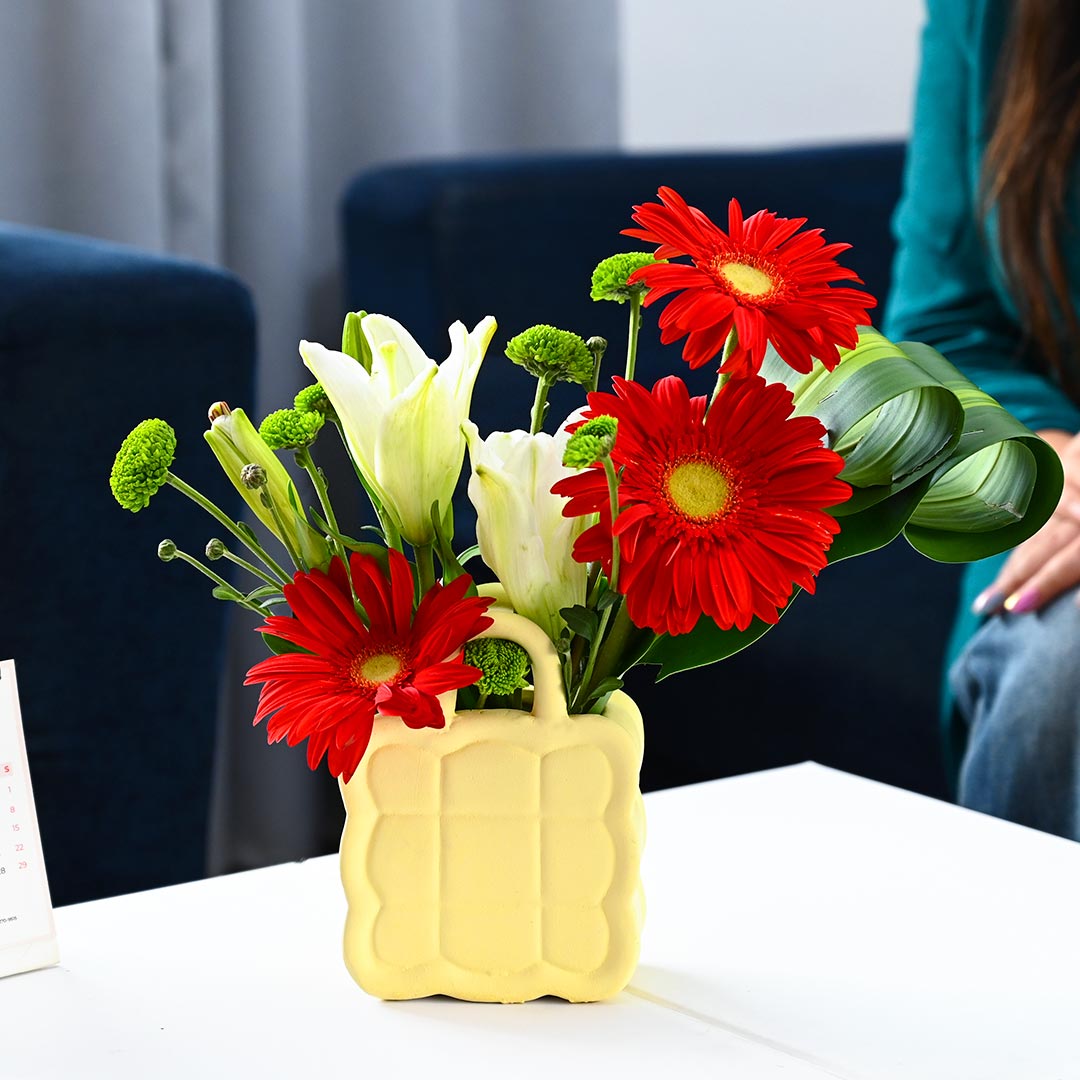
988	271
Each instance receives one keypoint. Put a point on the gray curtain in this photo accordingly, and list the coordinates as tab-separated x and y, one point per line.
226	130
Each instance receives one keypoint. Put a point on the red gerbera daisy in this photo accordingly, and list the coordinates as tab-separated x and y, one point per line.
762	278
721	508
392	662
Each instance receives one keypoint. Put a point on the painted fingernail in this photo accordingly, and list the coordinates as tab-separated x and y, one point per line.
988	600
1021	602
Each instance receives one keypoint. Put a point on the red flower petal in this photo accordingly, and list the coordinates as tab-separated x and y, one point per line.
722	508
395	664
764	266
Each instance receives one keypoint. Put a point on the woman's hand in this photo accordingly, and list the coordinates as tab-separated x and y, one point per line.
1047	564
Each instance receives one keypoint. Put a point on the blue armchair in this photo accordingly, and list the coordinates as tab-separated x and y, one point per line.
117	655
849	677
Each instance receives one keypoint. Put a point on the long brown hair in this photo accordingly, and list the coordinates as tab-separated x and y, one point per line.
1027	171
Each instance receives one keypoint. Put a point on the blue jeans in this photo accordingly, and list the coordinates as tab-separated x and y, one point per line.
1017	686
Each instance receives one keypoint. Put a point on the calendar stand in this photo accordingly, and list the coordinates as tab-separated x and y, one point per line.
27	933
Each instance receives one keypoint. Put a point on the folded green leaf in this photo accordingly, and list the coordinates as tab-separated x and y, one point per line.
998	486
928	455
892	421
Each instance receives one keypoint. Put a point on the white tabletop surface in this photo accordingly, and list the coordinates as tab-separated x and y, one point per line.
802	924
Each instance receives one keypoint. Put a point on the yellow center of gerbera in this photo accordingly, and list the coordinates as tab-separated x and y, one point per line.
748	280
380	668
698	490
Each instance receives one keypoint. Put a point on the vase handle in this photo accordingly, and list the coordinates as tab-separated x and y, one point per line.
549	698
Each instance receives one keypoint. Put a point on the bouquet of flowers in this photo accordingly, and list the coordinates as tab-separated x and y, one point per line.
648	527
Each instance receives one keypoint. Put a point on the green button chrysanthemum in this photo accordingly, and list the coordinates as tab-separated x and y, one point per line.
142	464
503	663
592	442
609	279
548	353
290	429
313	399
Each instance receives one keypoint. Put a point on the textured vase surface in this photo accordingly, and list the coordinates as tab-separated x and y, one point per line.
498	858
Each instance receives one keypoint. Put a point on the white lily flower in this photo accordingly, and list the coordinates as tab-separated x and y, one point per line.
520	528
402	421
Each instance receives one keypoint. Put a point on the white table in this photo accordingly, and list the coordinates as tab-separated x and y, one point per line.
803	924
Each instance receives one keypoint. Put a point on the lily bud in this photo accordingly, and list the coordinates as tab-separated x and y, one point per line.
254	469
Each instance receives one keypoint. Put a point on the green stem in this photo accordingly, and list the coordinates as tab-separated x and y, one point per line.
613	502
582	696
537	415
626	644
219	515
594	650
425	566
632	335
318	481
592	585
722	376
250	568
389	529
218	580
283	533
597	346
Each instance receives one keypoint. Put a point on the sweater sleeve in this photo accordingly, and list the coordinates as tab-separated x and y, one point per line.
943	291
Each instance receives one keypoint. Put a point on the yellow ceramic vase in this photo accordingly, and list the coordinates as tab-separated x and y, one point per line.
497	859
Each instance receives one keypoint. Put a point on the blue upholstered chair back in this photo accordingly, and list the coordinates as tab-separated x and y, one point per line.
117	655
851	676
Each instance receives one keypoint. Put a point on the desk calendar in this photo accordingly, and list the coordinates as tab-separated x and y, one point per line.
27	936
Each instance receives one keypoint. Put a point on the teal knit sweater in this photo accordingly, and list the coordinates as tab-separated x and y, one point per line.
949	286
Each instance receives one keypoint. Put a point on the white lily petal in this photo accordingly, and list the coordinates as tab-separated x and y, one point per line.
356	399
522	534
403	420
395	353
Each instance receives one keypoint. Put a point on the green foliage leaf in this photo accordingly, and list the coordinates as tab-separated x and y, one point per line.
607	686
607	598
247	532
263	591
705	644
598	699
280	646
364	547
223	592
584	622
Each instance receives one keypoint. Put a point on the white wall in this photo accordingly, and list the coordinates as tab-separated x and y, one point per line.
706	74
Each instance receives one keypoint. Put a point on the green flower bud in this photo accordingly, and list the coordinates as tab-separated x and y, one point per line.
597	346
313	399
592	442
142	464
253	476
215	549
166	551
551	354
503	663
353	341
609	279
290	429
